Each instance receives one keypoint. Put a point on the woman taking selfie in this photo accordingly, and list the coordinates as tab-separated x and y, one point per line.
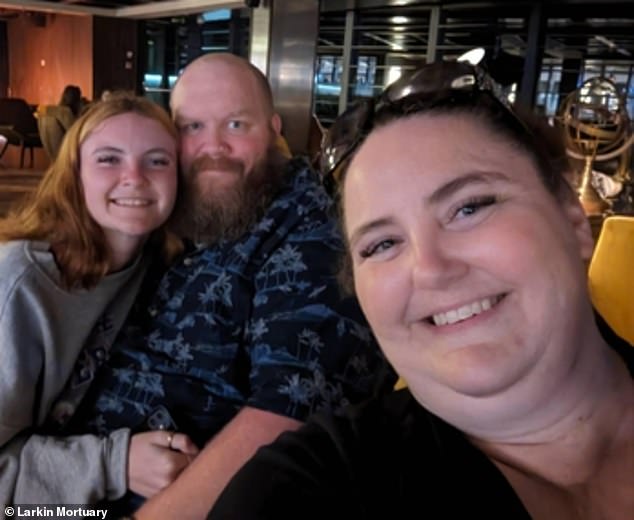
467	251
72	258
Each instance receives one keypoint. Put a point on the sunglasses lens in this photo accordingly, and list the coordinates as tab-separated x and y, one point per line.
330	157
343	135
432	81
462	82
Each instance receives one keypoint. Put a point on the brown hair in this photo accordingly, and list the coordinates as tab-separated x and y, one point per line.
56	211
71	98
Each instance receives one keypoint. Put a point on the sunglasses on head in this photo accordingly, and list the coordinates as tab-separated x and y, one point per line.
434	84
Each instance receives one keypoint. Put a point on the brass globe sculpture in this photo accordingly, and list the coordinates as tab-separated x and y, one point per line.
596	128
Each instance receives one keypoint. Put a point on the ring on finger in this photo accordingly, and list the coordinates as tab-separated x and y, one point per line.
170	439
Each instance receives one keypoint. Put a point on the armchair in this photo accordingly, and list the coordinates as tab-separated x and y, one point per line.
53	121
19	126
611	275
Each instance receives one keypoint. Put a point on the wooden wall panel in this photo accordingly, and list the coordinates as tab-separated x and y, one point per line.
48	52
4	59
116	54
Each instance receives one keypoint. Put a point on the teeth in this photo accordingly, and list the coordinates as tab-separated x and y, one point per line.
131	202
452	317
464	312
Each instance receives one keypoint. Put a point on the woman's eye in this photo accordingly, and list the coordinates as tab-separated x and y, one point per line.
472	206
160	161
108	159
377	247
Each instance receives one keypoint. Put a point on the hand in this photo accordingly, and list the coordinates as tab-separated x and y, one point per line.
156	458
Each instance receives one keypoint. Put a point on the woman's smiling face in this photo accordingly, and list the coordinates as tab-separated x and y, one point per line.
129	177
466	267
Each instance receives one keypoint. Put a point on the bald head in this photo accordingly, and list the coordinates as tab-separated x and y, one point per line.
210	67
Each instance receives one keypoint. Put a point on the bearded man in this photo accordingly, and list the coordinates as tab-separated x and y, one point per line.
247	333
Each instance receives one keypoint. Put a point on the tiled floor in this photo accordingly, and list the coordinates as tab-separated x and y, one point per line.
14	184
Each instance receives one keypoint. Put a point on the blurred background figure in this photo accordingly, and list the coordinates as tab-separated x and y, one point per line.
71	98
55	120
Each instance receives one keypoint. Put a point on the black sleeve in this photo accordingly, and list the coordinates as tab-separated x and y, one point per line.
303	474
356	466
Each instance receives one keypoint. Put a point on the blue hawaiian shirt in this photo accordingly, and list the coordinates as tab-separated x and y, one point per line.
255	322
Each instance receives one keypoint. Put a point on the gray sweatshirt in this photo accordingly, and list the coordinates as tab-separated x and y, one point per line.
43	329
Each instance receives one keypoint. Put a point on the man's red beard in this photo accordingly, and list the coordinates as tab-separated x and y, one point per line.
207	216
222	164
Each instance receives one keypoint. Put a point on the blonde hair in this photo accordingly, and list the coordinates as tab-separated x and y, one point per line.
56	211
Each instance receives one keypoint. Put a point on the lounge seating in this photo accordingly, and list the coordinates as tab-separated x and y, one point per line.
53	121
19	126
611	275
4	142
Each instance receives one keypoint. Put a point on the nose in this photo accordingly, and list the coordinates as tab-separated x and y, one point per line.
133	175
208	141
437	261
214	142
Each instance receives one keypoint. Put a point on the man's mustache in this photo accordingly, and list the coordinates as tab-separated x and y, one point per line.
206	162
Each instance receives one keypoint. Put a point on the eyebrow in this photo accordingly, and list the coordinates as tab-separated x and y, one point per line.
102	149
440	194
114	149
179	119
158	149
369	226
478	177
186	118
241	112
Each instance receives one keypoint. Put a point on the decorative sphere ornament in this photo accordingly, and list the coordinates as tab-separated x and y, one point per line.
596	128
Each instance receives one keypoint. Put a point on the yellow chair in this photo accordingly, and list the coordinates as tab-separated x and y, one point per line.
611	275
400	384
282	145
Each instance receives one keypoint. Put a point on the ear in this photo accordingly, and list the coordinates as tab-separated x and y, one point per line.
581	225
276	124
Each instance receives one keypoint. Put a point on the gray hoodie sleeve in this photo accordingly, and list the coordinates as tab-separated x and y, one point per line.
78	469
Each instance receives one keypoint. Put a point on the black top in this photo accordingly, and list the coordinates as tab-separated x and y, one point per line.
388	459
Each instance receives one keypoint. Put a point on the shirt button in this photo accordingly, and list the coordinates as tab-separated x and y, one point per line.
153	312
187	262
